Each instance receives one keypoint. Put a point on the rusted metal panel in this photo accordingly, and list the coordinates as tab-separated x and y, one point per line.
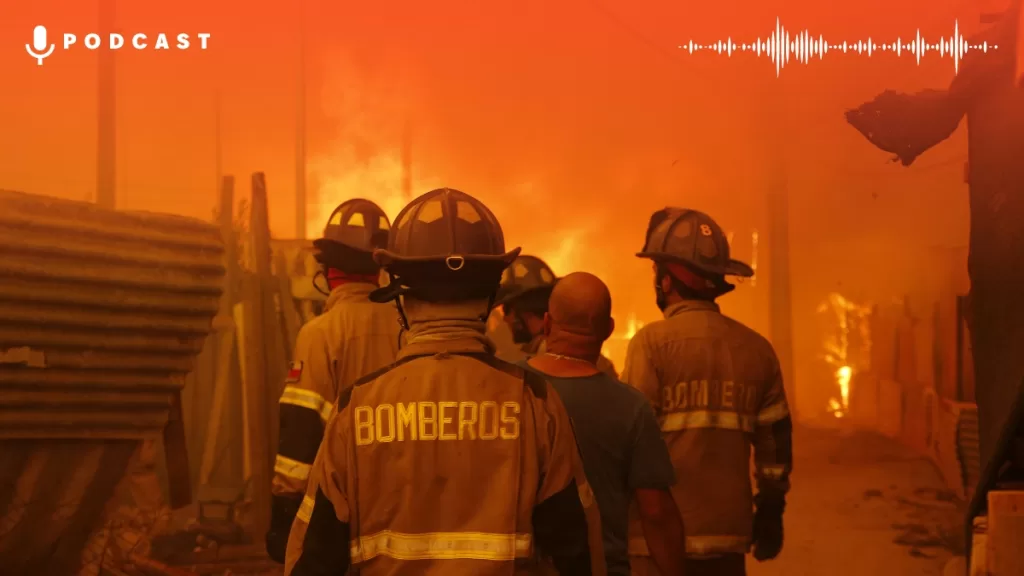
51	492
112	306
102	314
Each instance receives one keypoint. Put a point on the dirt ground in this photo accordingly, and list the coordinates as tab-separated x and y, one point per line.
863	505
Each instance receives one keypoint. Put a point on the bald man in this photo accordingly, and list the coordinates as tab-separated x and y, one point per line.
624	456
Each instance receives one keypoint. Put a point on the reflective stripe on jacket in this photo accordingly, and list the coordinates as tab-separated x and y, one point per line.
351	338
442	458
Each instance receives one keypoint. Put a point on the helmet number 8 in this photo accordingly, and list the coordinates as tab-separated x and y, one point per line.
705	229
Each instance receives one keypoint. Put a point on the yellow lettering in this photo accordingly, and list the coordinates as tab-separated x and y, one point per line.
424	408
682	398
752	399
727	395
667	401
364	425
467	420
704	393
406	419
385	415
695	394
446	435
488	415
510	421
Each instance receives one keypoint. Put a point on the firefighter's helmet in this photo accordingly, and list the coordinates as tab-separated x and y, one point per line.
445	245
358	224
692	238
527	277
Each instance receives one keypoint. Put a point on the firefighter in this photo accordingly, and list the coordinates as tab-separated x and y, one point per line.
448	461
523	297
717	389
352	337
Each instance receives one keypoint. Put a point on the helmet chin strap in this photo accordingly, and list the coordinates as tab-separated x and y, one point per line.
321	274
403	320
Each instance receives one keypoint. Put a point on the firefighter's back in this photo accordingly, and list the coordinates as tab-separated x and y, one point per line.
715	373
446	469
362	335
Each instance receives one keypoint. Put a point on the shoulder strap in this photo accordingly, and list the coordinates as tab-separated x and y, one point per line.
535	382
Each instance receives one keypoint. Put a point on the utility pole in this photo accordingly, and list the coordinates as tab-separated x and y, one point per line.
300	135
779	285
106	129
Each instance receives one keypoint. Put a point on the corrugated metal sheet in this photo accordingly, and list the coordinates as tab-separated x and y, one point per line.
968	448
51	493
101	315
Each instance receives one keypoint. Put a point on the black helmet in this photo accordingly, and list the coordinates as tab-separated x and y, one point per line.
445	245
692	238
359	224
355	229
527	278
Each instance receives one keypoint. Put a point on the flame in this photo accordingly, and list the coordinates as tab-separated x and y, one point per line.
365	160
753	257
632	326
564	257
849	316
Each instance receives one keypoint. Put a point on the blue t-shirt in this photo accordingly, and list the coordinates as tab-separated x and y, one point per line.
622	450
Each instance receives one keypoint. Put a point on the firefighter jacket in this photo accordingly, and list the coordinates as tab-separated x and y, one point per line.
717	389
353	337
449	461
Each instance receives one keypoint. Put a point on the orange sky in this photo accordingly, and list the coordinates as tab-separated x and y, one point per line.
573	120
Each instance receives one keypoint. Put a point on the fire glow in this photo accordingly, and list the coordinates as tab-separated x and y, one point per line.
851	319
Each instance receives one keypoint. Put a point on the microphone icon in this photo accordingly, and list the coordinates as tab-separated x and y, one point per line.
39	43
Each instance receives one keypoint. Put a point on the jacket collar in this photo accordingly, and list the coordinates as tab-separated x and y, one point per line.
689	306
446	337
349	292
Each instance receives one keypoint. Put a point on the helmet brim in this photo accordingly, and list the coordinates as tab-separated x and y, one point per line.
327	243
507	296
387	258
388	293
731	268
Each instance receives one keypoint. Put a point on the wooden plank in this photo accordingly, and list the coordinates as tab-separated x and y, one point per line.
222	370
176	452
260	439
289	312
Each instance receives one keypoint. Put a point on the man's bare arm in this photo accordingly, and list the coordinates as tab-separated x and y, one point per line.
663	530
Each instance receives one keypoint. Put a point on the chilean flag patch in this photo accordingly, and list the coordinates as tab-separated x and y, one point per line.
294	372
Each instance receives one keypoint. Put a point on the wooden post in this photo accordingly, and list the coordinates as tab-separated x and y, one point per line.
779	281
225	329
292	322
179	475
265	357
106	128
256	374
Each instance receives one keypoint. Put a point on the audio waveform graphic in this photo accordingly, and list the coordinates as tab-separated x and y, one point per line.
783	46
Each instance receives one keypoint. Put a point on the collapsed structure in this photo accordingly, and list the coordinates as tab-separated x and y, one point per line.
988	92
